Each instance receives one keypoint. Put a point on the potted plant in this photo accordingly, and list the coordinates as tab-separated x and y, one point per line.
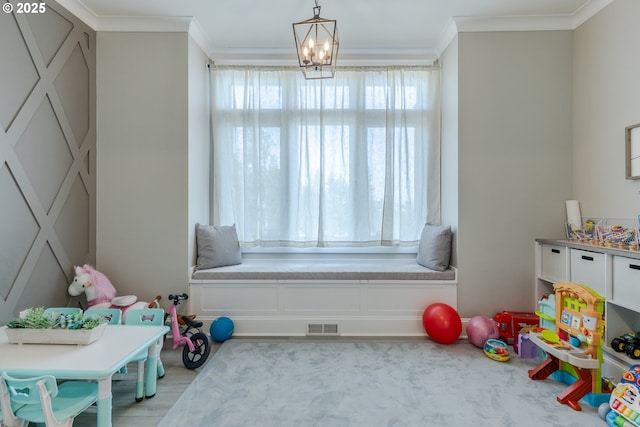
33	326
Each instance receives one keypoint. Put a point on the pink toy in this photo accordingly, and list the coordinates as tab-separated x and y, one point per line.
480	329
100	292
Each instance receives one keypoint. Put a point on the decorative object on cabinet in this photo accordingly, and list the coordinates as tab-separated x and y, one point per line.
618	233
574	215
578	228
587	232
632	150
609	232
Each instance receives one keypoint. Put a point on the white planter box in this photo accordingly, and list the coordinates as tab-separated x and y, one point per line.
55	336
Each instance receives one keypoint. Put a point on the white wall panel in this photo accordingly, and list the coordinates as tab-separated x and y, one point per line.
285	308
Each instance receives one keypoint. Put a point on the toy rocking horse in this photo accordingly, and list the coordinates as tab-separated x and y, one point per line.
101	293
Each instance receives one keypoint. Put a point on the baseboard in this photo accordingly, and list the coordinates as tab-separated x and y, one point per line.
348	327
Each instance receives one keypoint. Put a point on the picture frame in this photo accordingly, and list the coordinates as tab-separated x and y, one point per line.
632	151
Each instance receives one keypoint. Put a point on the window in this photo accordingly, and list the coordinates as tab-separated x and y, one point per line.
349	161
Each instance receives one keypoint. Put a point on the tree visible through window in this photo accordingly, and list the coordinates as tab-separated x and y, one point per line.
348	161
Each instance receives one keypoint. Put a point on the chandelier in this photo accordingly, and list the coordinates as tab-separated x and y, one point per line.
317	46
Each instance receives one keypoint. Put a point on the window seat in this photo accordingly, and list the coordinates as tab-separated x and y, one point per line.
321	294
332	269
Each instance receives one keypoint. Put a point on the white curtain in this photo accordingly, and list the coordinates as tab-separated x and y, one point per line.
348	161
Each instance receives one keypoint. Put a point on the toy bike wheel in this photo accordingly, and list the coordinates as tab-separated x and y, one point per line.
196	358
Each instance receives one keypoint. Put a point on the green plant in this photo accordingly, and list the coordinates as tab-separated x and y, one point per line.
34	318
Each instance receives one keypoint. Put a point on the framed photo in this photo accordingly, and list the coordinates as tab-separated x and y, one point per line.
633	151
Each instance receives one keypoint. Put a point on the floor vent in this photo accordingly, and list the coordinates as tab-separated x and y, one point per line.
323	329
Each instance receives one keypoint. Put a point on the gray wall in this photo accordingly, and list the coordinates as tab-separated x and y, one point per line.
152	123
513	159
47	156
449	140
606	99
199	143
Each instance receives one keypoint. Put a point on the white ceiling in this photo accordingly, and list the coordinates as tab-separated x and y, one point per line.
225	28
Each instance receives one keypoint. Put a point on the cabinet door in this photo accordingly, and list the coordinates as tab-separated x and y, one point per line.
587	268
626	282
554	263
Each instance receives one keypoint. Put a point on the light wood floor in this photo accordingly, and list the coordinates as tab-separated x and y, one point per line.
147	413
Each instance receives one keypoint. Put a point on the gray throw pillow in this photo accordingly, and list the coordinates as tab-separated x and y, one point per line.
217	246
434	251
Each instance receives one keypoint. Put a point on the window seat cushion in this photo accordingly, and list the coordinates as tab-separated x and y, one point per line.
328	269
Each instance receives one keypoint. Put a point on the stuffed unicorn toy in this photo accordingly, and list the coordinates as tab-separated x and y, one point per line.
100	292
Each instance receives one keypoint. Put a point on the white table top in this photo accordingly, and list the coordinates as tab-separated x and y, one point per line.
97	360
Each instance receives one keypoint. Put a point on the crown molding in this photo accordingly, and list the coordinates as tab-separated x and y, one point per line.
173	24
446	37
513	23
143	24
462	24
81	11
197	34
589	10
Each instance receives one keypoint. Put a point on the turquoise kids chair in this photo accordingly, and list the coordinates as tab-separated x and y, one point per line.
145	317
42	400
8	409
112	315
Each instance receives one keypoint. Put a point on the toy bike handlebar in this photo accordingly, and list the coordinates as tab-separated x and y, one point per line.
177	298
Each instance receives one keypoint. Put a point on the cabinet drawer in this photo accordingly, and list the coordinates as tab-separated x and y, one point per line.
613	367
587	268
554	263
626	282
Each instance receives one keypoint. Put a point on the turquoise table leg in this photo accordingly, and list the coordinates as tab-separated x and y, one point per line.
104	402
151	371
161	371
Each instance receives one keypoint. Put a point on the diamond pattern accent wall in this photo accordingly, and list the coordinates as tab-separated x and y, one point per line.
47	151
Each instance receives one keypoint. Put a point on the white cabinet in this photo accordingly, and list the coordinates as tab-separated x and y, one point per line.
626	282
587	268
552	266
554	263
613	273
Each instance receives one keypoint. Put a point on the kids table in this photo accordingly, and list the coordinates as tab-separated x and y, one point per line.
97	361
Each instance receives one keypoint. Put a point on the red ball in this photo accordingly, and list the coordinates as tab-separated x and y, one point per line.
442	323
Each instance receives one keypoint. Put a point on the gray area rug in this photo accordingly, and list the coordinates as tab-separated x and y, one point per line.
369	383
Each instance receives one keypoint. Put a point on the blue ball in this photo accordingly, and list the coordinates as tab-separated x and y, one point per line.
221	329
